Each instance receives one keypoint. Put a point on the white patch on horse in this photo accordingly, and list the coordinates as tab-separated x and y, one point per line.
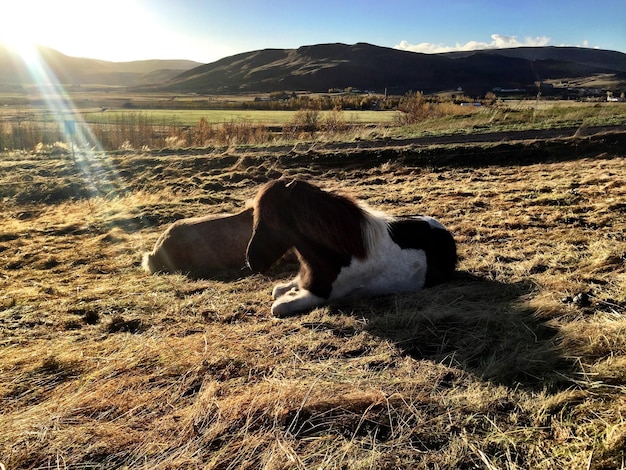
296	300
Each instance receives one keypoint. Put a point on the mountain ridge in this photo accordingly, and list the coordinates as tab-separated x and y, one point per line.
81	70
320	67
368	67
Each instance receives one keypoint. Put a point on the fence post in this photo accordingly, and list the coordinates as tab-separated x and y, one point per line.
70	131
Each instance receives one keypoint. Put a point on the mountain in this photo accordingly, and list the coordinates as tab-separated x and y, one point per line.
598	58
75	70
326	66
368	67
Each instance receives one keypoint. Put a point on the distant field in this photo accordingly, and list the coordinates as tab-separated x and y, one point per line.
516	115
512	112
184	117
106	106
112	120
218	116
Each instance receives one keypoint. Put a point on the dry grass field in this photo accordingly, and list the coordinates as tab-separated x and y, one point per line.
518	363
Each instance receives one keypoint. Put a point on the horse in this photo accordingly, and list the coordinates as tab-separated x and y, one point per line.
344	247
203	247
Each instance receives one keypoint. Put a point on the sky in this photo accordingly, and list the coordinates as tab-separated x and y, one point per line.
206	31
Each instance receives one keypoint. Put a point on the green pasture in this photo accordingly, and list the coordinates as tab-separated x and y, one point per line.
182	117
516	115
218	116
26	126
509	115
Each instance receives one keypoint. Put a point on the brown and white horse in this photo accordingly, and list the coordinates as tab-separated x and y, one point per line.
344	247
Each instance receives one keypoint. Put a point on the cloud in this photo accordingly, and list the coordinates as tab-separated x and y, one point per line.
498	41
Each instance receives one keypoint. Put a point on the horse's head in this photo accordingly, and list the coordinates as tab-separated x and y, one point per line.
271	232
266	246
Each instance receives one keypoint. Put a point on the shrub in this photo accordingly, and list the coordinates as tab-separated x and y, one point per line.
334	121
304	120
413	108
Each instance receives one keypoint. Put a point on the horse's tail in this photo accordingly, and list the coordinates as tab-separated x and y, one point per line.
443	258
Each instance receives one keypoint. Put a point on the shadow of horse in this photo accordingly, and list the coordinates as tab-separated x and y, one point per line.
483	326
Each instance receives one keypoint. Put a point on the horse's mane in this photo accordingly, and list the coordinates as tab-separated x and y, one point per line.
331	219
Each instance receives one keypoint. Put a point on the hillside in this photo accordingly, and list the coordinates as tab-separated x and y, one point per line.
368	67
76	70
594	58
321	67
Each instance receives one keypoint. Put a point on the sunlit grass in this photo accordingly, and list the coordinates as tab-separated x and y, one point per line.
104	366
520	116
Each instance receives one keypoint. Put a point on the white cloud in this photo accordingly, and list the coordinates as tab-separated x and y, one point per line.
498	41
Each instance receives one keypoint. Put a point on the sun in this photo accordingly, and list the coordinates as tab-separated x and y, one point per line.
26	50
28	23
16	35
113	30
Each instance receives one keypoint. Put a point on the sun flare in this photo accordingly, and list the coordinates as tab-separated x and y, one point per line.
17	35
26	50
74	27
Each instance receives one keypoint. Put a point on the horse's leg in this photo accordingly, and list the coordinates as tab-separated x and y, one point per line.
281	289
296	301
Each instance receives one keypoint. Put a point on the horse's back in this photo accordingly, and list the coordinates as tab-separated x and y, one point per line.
428	234
201	246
